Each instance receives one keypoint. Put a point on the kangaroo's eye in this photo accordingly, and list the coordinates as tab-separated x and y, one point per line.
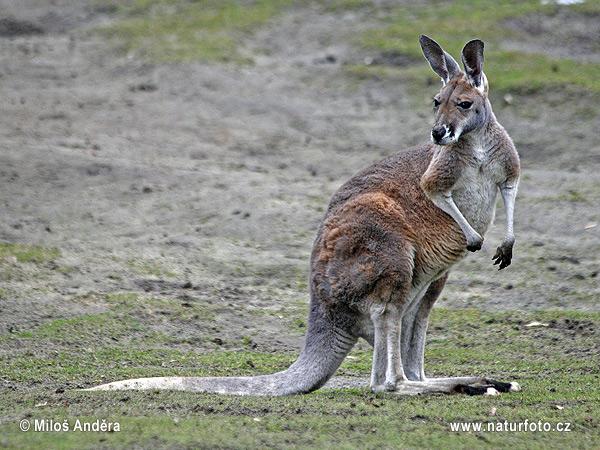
436	103
465	104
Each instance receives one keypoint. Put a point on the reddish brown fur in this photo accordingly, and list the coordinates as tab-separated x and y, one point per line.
381	225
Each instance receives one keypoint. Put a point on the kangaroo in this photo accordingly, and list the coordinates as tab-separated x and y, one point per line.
387	242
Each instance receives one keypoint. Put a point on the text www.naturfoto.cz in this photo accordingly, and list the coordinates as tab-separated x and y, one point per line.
506	426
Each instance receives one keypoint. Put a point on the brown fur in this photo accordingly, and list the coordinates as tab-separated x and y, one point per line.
381	224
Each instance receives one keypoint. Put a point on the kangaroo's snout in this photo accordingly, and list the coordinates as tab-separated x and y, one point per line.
437	134
442	134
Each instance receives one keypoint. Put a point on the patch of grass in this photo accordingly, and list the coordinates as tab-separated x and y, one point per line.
570	193
150	267
77	366
557	365
344	5
452	24
116	345
78	331
380	427
177	30
165	307
29	253
19	262
520	71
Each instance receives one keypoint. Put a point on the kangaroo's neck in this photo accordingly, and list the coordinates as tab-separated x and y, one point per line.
482	140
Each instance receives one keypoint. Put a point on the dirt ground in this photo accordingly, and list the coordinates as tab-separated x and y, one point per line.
206	182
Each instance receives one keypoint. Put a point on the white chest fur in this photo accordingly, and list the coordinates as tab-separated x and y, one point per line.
475	192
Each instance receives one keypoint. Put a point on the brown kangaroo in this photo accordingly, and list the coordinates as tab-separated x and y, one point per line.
384	248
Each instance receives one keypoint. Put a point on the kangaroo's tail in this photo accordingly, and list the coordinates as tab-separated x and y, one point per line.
325	348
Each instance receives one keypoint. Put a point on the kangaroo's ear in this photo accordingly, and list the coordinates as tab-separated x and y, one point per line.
472	59
441	62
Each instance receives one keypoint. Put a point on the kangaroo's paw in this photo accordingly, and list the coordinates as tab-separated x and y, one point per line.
474	244
503	256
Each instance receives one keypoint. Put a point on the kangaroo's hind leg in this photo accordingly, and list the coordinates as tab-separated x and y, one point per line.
366	262
387	368
414	329
387	361
387	305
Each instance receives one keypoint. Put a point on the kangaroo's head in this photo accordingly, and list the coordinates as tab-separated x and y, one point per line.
461	107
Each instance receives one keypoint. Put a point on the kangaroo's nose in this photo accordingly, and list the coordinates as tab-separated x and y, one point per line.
438	133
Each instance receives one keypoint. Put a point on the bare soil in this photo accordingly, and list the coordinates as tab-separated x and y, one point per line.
205	182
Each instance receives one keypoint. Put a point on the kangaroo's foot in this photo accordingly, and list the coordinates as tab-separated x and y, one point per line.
456	385
489	387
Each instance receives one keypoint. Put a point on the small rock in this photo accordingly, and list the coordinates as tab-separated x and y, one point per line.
144	87
536	324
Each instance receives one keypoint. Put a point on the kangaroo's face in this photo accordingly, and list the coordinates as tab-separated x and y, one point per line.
459	109
461	106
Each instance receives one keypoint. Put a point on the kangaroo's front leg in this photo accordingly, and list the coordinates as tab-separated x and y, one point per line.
503	255
438	181
445	202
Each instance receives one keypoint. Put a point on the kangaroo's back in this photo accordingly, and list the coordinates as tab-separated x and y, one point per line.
397	175
394	183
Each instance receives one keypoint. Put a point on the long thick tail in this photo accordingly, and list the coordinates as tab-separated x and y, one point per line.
324	350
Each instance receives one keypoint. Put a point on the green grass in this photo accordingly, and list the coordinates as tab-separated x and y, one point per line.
390	425
151	267
18	261
452	24
178	30
343	5
211	30
558	367
28	253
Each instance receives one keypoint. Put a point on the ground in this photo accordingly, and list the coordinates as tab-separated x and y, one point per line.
158	204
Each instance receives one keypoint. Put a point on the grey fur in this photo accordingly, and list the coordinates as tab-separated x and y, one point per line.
472	59
441	62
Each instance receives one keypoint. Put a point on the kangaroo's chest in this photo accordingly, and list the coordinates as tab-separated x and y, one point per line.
476	190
